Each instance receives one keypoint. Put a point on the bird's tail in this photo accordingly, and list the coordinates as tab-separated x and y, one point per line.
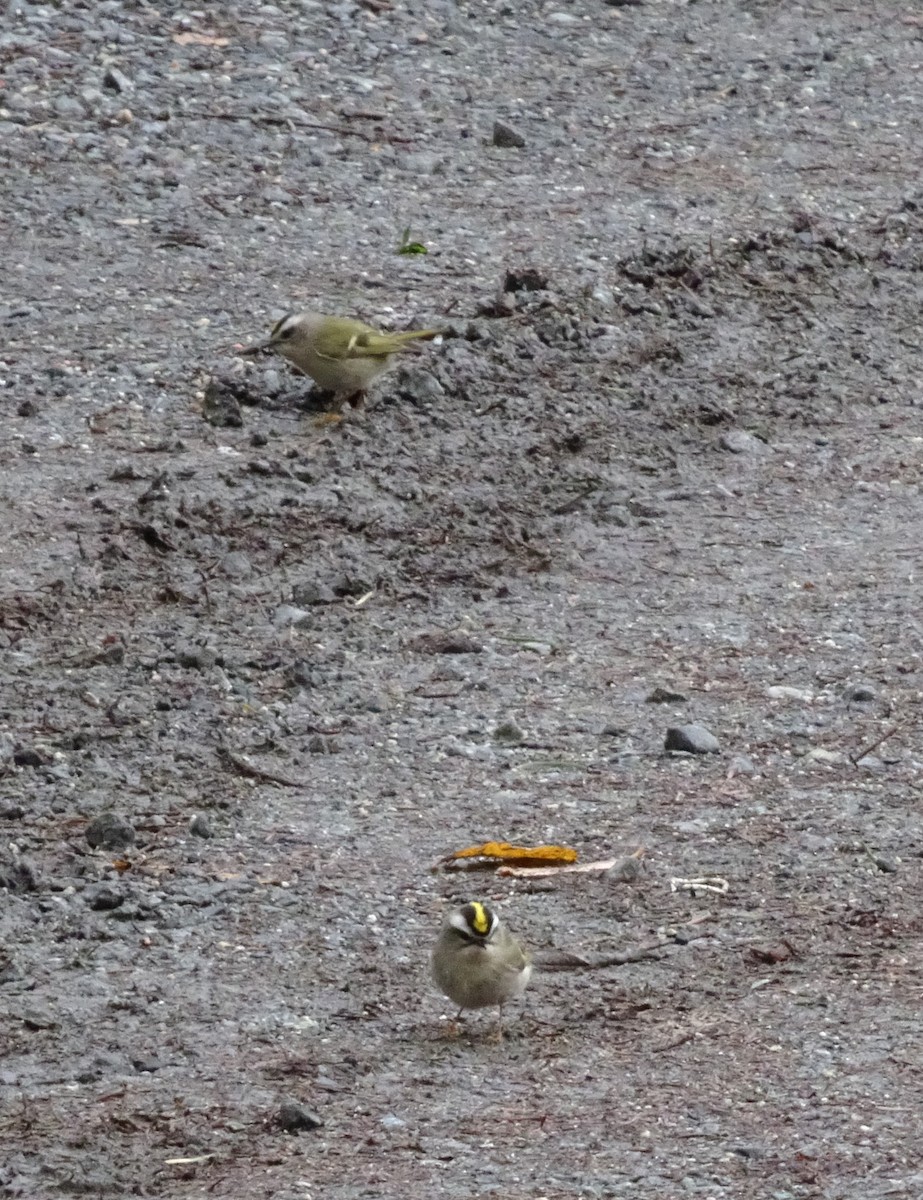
390	343
419	335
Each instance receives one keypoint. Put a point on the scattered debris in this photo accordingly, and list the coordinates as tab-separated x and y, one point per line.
243	766
702	883
623	870
445	643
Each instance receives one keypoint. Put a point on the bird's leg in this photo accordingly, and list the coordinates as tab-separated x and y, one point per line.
453	1024
499	1034
357	399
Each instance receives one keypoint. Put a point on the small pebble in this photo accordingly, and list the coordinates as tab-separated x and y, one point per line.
303	674
23	757
781	692
146	1066
420	387
420	162
694	739
109	831
108	656
506	137
221	407
819	754
665	696
471	750
738	441
750	1151
542	648
313	591
526	279
199	658
18	876
200	826
115	81
237	565
103	897
445	643
295	1118
37	1018
288	615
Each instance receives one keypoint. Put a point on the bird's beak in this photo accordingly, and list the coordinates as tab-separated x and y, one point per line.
257	348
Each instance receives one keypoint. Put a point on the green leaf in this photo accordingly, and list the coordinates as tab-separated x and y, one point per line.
406	246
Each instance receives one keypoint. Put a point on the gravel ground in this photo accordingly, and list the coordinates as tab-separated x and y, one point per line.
262	669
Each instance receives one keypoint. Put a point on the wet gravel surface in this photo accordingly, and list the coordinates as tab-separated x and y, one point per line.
658	485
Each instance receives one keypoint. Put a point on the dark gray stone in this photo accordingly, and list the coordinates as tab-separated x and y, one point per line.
197	658
694	739
313	591
18	875
109	831
103	897
295	1118
665	696
200	826
506	137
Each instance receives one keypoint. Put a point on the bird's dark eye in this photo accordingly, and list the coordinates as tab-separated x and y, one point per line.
283	329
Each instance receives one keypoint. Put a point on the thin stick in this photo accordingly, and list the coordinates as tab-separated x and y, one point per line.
244	767
855	759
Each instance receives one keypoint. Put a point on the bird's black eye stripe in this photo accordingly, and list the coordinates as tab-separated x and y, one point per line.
281	331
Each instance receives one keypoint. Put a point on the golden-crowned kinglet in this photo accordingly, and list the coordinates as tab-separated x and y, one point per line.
477	962
341	355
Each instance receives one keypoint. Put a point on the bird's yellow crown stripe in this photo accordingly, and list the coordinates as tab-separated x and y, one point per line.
480	921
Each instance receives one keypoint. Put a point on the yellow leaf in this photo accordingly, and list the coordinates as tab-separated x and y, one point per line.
521	856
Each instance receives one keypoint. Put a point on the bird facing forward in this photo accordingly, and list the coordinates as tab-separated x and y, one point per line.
340	354
477	962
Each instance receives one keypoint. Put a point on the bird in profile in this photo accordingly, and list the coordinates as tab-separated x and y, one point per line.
341	355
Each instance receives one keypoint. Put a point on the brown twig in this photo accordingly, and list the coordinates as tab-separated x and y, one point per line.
272	119
208	599
676	1043
482	412
575	501
855	759
245	767
573	962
